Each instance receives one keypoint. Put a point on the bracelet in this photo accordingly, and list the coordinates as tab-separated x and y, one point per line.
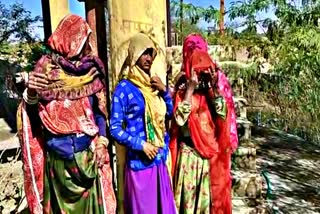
31	100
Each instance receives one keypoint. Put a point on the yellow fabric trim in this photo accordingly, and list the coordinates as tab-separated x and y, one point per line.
60	79
155	105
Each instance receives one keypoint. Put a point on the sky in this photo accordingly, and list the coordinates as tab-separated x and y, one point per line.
76	7
34	6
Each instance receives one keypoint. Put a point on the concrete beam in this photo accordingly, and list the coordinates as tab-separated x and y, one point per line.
52	12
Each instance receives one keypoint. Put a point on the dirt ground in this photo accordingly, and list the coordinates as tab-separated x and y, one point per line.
11	186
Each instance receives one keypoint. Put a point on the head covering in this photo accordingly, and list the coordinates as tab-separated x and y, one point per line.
199	61
70	36
193	42
213	138
138	44
68	41
196	43
155	109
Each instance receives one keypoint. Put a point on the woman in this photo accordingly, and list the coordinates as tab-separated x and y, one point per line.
140	106
62	127
203	133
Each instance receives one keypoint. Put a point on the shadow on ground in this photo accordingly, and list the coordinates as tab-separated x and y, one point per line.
293	169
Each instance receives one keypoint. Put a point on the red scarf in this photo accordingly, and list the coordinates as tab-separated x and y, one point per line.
210	136
70	36
200	122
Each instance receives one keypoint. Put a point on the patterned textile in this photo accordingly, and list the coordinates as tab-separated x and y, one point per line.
138	44
192	183
226	134
182	113
66	86
62	117
74	184
32	150
127	124
68	116
68	40
70	36
152	102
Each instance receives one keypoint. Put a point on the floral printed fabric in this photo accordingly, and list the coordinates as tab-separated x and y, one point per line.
182	113
192	184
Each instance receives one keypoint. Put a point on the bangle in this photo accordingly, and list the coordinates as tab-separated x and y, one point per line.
31	100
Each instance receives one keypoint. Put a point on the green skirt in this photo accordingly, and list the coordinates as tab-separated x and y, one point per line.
72	186
192	182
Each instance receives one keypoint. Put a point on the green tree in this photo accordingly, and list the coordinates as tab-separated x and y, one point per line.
16	23
293	38
187	15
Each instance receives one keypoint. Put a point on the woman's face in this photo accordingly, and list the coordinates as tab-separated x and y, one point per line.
86	50
145	60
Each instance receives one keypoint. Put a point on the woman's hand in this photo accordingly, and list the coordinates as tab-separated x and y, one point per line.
193	82
150	150
191	85
214	77
179	75
101	151
157	84
37	81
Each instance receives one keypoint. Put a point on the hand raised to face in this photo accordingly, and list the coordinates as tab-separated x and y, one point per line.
157	84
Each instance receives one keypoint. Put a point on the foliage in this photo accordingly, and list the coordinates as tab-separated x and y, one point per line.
292	42
298	66
36	51
17	45
187	28
186	16
17	39
16	23
194	13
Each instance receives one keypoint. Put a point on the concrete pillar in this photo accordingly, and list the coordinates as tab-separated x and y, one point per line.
95	16
52	12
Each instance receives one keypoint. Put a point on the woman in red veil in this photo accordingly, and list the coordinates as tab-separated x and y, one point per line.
203	133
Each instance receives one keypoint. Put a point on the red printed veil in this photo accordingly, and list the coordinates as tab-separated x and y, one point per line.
214	138
70	36
200	122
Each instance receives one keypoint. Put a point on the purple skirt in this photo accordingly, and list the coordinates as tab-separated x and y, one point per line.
148	191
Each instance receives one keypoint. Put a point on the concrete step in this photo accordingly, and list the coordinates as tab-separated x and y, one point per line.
247	184
245	158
